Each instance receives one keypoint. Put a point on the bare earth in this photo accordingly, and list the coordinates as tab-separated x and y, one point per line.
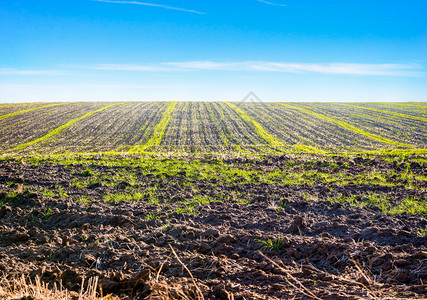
325	250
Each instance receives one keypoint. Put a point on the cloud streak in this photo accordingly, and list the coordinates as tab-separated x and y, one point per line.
152	5
18	72
271	3
396	70
130	67
92	86
403	70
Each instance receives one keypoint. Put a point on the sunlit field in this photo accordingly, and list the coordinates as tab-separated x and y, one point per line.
213	200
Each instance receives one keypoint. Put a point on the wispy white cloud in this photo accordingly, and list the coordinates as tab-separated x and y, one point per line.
341	68
129	67
92	86
402	70
271	3
207	65
30	72
406	70
152	5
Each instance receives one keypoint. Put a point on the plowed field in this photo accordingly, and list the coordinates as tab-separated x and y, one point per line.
215	200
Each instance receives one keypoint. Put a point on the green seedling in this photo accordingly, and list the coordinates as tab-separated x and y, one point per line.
48	193
87	172
47	213
84	237
61	192
422	231
282	205
151	217
10	197
85	200
191	210
273	245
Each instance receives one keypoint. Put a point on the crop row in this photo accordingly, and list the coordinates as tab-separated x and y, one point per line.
18	112
348	126
210	127
159	131
258	128
394	113
395	128
62	127
301	130
10	108
406	109
25	127
113	129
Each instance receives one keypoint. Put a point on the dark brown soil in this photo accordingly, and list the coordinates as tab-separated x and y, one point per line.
327	249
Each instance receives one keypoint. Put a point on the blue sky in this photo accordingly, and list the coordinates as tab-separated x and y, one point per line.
283	50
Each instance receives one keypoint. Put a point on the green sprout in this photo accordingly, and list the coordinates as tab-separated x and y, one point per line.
47	213
269	244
